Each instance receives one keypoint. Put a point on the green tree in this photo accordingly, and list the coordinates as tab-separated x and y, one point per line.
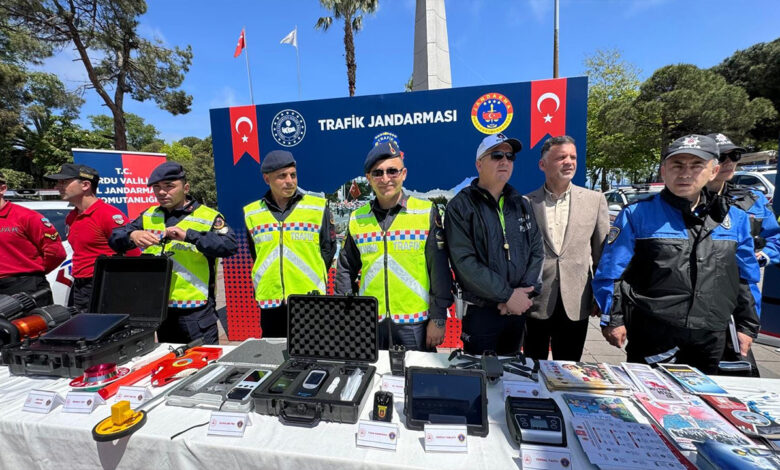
757	70
684	99
200	172
351	11
116	58
139	133
612	149
177	152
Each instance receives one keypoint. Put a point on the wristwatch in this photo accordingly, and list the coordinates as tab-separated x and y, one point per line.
439	322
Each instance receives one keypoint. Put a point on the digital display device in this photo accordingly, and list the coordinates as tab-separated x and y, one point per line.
446	396
312	383
87	326
535	421
281	384
539	424
249	383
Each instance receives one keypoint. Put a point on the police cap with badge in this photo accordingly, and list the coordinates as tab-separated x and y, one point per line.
697	145
381	151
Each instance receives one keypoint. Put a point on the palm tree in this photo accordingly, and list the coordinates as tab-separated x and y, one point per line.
353	22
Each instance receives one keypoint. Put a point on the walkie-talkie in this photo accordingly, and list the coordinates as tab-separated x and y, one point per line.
397	354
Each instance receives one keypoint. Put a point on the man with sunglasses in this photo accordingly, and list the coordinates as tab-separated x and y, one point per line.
90	225
496	251
574	222
763	224
397	242
292	239
677	266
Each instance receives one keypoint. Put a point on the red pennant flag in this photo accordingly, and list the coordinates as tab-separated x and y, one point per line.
241	44
243	133
548	109
354	190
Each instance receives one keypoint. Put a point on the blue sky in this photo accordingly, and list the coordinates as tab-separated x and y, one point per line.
495	41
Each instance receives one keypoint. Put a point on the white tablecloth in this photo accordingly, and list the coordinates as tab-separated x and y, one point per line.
64	440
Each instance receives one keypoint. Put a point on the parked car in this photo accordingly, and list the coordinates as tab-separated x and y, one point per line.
619	198
60	279
763	181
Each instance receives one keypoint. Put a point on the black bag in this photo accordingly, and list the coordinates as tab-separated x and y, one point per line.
138	286
329	339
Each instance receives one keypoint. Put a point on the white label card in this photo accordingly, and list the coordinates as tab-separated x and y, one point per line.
520	388
445	438
545	458
135	395
394	384
41	401
377	434
82	402
228	424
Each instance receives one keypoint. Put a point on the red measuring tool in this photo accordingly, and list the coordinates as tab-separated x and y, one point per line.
197	357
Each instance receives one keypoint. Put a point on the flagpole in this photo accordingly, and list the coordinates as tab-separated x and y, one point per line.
298	57
248	74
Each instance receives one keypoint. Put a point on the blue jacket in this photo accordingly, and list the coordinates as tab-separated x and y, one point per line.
653	264
764	227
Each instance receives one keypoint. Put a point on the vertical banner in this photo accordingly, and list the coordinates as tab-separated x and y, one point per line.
437	130
770	292
123	177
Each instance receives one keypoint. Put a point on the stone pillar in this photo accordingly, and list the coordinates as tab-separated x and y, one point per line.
431	48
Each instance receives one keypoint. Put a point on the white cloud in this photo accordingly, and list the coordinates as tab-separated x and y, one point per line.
151	32
225	98
540	9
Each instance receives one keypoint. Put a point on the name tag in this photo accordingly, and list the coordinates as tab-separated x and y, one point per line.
446	438
82	402
395	385
228	424
135	395
519	388
545	458
377	434
41	401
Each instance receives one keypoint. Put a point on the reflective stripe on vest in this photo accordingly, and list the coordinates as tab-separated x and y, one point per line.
190	278
394	266
288	257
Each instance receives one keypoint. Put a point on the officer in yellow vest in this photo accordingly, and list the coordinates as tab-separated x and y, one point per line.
196	235
292	239
398	243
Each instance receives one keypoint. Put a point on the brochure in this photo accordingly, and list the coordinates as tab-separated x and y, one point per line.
567	375
730	457
652	383
692	380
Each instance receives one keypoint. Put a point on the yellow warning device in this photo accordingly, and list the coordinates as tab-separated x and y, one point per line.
122	422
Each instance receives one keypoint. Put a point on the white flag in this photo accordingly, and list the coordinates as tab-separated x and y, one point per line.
291	38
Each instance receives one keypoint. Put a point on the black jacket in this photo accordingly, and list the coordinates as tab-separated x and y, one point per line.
484	269
689	269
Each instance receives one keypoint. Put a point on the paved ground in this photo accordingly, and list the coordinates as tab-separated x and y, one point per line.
596	347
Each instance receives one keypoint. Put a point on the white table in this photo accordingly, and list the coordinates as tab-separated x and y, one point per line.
64	440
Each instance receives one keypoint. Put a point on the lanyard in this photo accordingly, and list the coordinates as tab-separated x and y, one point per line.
503	225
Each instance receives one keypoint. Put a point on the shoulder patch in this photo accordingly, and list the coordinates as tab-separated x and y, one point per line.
613	234
219	222
118	219
45	222
726	222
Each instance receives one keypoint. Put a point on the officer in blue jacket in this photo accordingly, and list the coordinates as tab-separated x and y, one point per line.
763	225
677	266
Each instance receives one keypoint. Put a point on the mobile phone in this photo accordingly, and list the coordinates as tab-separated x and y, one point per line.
312	383
250	382
281	383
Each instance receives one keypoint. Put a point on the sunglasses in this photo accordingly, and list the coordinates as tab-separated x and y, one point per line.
498	155
733	156
391	172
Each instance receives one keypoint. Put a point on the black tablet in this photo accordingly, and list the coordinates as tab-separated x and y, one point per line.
87	326
446	396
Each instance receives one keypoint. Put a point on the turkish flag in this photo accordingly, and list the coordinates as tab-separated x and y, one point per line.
241	44
548	109
243	133
354	190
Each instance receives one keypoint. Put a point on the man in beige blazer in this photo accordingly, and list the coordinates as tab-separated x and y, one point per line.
574	222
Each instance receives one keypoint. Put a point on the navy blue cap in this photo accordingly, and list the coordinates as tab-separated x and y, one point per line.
725	145
694	144
165	172
381	151
276	160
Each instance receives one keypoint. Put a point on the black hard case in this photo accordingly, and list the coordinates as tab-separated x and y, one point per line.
136	285
336	333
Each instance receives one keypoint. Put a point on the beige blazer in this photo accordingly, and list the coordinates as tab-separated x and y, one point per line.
571	269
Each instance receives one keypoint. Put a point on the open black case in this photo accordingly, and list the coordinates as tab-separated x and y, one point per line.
136	286
329	340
